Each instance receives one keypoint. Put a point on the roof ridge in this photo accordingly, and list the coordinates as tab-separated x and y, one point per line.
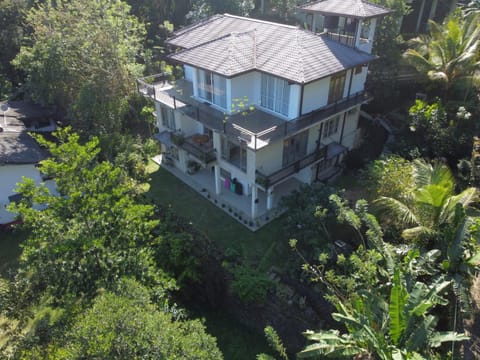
195	25
231	34
300	58
260	21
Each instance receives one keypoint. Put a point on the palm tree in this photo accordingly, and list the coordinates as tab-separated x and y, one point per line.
437	218
431	207
398	328
449	53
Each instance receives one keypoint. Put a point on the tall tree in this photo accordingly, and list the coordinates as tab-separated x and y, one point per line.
123	323
11	34
449	54
431	205
90	235
82	57
383	78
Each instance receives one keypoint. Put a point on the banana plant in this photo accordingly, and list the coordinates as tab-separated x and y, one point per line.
401	327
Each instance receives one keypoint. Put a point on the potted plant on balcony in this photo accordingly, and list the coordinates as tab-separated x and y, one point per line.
192	167
178	138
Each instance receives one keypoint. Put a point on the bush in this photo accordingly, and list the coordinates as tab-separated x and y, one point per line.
250	285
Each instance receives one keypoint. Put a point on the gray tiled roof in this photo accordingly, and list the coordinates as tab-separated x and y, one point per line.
19	148
230	45
351	8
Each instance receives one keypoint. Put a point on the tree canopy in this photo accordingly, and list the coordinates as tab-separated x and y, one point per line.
82	56
448	55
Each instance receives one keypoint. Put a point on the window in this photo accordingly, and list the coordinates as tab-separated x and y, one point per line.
337	85
358	69
174	152
168	118
234	153
331	127
295	148
275	94
224	174
212	87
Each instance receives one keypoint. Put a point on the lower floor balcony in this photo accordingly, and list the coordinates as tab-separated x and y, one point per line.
238	206
322	154
198	146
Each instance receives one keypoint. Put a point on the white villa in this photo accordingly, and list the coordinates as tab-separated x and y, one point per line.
264	107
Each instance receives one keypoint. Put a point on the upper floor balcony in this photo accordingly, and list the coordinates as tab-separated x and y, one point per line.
257	128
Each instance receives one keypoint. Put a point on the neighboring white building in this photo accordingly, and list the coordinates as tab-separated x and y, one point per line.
19	152
264	107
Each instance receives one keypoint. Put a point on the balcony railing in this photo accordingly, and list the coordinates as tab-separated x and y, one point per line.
202	150
269	180
257	128
345	39
199	146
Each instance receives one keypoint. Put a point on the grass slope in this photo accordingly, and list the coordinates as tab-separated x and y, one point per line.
167	190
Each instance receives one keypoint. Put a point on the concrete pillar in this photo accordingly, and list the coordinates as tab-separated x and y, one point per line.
254	202
218	183
433	10
314	25
195	81
371	34
269	199
358	33
420	16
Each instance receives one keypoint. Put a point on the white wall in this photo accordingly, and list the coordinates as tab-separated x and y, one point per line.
358	80
269	158
241	176
188	71
159	116
350	129
246	86
294	106
315	95
187	125
336	136
10	175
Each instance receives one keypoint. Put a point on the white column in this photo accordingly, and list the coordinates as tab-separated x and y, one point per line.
420	15
359	31
195	81
254	202
314	23
269	198
218	183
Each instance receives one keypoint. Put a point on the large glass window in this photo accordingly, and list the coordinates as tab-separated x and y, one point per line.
295	148
234	153
213	88
331	127
337	86
275	94
168	118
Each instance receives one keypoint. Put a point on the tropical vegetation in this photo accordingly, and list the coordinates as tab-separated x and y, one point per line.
107	270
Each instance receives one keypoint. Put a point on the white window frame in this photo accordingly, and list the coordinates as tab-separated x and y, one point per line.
167	116
275	94
212	88
330	127
227	145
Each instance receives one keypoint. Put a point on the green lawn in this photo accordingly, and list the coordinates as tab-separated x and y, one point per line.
265	248
267	245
